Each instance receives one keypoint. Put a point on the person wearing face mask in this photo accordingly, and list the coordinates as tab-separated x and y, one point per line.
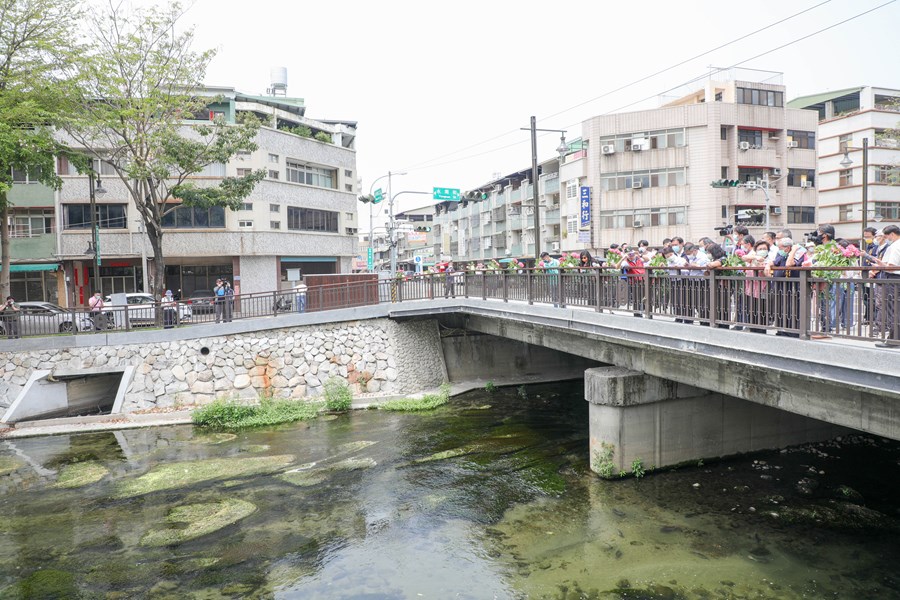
697	260
869	247
786	288
678	246
756	298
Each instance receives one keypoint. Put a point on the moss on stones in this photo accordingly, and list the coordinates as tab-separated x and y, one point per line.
80	474
200	520
175	475
9	464
309	476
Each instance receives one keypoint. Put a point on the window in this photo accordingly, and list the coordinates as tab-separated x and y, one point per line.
653	217
309	175
796	177
348	187
211	170
273	174
109	216
801	214
754	137
724	173
245	224
30	223
844	141
348	173
571	189
723	133
351	231
311	219
887	174
760	97
273	158
572	225
748	174
242	154
845	212
888	210
349	217
665	138
804	139
274	224
28	175
193	217
244	172
247	206
845	177
627	180
276	208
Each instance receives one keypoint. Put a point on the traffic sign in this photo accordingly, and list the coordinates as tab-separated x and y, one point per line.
446	194
417	259
379	196
370	259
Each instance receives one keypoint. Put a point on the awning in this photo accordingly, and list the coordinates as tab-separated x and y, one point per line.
20	268
308	259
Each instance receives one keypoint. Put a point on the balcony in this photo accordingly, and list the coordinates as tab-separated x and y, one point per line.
550	184
498	240
515	249
514	222
498	214
552	215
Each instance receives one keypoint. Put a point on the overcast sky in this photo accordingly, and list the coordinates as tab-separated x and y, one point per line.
440	90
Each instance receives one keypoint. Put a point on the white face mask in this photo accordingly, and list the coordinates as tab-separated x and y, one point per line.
762	253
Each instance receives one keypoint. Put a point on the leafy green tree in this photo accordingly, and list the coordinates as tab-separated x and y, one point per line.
146	115
36	53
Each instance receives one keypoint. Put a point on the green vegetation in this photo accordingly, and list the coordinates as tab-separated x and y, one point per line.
637	468
323	137
301	130
200	519
338	396
47	583
175	475
229	414
80	474
522	393
426	402
602	463
489	387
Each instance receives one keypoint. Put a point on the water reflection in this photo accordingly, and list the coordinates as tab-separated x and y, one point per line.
490	497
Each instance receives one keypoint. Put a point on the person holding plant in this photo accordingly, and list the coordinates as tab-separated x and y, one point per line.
550	266
787	294
633	274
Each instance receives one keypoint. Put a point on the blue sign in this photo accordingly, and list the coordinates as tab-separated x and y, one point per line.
585	207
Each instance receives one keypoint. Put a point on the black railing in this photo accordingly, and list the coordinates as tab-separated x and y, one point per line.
800	305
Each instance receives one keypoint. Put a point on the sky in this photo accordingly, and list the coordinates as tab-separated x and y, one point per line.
441	90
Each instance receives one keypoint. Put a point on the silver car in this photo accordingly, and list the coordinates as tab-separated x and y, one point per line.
142	309
45	318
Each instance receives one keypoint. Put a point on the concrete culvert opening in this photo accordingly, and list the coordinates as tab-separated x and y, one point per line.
71	393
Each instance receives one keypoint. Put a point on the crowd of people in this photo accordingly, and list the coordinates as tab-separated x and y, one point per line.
768	294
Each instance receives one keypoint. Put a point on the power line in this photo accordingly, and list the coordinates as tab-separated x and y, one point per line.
425	165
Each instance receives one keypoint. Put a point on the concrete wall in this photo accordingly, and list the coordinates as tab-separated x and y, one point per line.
662	423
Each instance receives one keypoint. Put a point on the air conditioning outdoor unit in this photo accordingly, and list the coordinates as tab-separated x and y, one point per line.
793	144
636	185
554	246
806	184
608	149
744	145
638	144
776	210
751	185
638	224
776	171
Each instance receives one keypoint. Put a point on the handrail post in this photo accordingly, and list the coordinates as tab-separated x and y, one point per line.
805	300
484	284
713	299
648	303
599	293
505	279
529	285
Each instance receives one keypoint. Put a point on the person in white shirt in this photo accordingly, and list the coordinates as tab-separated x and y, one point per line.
891	286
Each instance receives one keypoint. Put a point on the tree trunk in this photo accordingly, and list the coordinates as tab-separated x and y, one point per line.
4	246
158	288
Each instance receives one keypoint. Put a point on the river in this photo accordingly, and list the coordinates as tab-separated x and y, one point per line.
488	497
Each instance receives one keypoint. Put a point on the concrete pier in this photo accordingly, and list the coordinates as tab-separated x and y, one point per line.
661	423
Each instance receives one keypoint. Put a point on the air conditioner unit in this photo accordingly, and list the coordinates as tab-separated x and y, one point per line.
751	185
638	144
806	184
776	171
554	246
636	185
793	144
744	145
608	149
776	210
638	224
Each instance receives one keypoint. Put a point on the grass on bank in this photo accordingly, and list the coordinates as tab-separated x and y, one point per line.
426	402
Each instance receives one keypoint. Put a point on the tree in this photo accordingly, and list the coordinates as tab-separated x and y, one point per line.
36	51
143	104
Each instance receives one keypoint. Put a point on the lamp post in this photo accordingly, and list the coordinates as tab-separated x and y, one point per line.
846	162
94	244
561	149
392	228
370	201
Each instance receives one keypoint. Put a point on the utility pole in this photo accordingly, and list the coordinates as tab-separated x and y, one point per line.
562	149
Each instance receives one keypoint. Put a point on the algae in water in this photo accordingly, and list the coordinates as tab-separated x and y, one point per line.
80	474
201	519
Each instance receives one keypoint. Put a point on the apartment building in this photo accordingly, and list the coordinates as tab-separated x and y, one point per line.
303	214
848	120
649	172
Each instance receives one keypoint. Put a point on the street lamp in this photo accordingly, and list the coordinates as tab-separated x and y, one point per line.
94	244
562	149
845	163
371	202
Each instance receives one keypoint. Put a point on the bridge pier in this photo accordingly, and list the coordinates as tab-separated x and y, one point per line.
658	422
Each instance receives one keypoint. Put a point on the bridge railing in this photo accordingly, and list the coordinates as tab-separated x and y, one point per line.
809	302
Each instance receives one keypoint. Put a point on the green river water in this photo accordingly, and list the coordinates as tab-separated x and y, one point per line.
488	497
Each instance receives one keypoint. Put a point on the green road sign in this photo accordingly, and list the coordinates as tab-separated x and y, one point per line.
446	194
379	196
371	260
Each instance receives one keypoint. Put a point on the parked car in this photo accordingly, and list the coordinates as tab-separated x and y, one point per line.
44	318
142	309
202	302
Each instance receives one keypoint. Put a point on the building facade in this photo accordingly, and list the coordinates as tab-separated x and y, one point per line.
847	118
302	215
650	171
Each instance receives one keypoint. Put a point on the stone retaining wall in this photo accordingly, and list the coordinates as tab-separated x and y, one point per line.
378	355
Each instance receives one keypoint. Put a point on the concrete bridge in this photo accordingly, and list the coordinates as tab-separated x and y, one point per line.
659	391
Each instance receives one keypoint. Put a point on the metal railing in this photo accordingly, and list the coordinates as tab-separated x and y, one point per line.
796	305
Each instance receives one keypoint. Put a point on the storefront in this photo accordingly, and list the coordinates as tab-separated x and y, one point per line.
308	265
38	282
